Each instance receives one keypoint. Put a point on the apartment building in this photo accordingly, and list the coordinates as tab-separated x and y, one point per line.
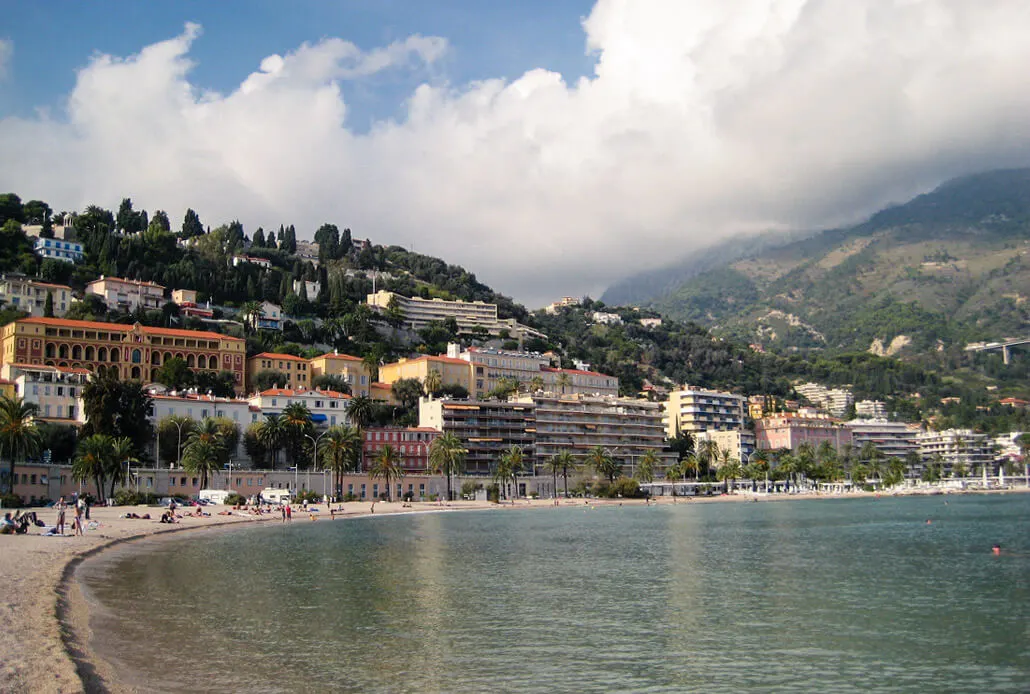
130	351
628	428
739	444
956	447
893	439
561	303
55	390
692	410
419	313
127	295
871	409
29	295
328	408
452	371
790	430
606	318
410	443
199	406
579	382
349	368
296	371
833	400
488	428
490	366
56	249
186	300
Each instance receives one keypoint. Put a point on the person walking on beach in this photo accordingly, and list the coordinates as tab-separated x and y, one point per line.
289	512
282	512
77	522
61	506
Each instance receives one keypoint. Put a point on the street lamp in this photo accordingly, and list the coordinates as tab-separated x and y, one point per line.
295	487
228	480
314	455
178	450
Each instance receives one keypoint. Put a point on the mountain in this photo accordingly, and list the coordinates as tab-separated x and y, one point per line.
945	268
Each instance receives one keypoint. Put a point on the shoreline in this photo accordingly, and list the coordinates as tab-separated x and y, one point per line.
46	645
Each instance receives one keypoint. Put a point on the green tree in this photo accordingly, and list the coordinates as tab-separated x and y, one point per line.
371	361
175	374
191	225
433	382
447	457
561	463
408	391
387	467
254	446
272	435
48	305
18	433
207	450
603	463
269	378
117	408
123	452
362	411
508	467
646	467
707	456
342	451
296	419
248	314
94	461
729	470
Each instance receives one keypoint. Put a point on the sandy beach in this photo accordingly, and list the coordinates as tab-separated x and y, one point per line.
42	645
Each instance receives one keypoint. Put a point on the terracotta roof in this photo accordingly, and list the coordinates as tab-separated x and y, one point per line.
288	393
123	327
37	283
276	355
48	367
195	397
125	281
333	355
427	357
579	372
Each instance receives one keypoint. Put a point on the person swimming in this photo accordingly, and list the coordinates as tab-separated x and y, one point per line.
996	550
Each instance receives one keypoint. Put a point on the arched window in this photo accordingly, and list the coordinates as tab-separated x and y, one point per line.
168	355
155	358
102	354
77	352
62	352
50	351
90	354
191	361
115	355
201	362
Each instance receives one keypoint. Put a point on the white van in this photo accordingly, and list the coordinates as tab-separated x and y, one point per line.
214	496
276	496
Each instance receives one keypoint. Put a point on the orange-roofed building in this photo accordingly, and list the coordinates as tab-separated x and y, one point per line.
127	295
327	407
351	369
130	351
452	371
296	372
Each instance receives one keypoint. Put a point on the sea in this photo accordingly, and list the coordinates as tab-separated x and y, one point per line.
836	595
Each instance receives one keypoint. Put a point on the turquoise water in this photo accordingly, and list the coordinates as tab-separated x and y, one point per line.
834	596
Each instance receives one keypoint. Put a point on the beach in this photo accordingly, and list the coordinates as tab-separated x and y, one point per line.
45	642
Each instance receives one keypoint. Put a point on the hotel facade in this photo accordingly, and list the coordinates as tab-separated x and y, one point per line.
129	351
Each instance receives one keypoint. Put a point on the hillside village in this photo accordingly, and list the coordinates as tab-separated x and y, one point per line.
259	360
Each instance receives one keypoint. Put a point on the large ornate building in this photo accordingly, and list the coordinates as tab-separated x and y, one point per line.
131	351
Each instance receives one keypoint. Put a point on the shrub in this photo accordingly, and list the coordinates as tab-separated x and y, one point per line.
350	496
625	488
308	495
493	493
126	497
235	499
11	500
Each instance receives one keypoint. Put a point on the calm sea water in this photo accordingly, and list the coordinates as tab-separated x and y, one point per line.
831	596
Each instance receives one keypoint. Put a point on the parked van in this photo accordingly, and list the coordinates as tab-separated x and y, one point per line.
214	496
276	496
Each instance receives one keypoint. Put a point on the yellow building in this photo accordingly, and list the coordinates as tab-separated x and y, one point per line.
296	370
452	371
134	352
350	369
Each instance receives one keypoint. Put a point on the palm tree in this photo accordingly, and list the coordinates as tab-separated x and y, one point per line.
433	382
271	435
206	450
386	466
296	419
93	461
249	312
447	456
563	381
690	463
646	466
536	384
561	463
603	463
371	362
341	451
512	460
18	432
123	452
362	411
729	470
707	455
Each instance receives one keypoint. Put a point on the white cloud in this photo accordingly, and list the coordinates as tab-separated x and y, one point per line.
703	119
6	51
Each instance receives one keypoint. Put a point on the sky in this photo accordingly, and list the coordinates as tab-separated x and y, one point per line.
550	146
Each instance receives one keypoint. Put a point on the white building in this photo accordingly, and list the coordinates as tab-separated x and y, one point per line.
30	295
307	290
57	249
328	407
954	446
833	400
418	313
893	439
55	390
651	322
263	263
271	317
607	318
579	382
489	366
127	295
199	407
561	303
871	409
